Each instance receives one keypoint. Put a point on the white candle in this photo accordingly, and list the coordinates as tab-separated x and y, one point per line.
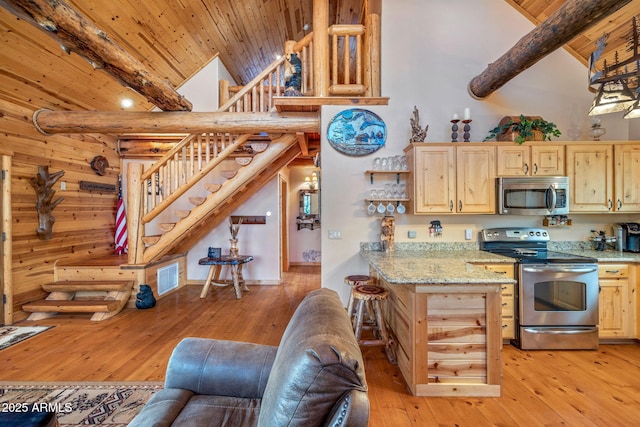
456	116
467	113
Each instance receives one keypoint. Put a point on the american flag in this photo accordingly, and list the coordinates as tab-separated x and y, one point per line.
122	246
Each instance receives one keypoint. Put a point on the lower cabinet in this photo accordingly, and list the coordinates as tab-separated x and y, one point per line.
508	299
617	301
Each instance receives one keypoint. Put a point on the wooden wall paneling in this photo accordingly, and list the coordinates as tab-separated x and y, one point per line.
84	220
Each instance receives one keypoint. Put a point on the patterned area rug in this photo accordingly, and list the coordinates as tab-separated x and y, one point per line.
10	335
79	404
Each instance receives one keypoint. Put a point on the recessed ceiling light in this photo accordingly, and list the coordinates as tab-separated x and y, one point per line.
126	103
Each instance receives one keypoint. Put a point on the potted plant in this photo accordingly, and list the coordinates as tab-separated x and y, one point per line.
523	128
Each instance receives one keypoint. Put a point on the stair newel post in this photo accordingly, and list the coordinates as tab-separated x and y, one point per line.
134	213
321	47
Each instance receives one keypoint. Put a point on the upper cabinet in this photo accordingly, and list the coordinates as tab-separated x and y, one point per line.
452	178
530	160
604	177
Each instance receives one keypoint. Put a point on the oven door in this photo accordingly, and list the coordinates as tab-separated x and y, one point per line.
558	307
558	295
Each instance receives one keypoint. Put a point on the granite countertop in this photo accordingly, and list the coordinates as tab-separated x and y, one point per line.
451	263
606	256
421	266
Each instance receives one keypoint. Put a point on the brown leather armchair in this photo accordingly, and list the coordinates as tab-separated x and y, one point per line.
315	377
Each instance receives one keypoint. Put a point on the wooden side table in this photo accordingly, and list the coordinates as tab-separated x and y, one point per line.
235	262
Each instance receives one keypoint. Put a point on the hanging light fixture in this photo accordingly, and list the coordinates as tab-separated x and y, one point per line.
614	82
612	96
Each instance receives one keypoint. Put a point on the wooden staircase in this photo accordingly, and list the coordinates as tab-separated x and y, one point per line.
103	298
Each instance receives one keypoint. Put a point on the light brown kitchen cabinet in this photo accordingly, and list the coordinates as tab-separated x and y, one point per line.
530	160
603	177
452	178
508	299
617	301
627	178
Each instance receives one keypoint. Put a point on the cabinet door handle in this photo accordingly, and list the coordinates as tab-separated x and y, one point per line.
613	271
451	205
526	168
459	205
535	168
619	204
610	204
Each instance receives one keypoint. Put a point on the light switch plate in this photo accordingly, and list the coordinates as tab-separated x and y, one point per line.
468	234
412	234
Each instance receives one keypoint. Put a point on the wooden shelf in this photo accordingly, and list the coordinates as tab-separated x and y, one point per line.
371	173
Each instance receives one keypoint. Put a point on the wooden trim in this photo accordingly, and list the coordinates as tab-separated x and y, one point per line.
6	252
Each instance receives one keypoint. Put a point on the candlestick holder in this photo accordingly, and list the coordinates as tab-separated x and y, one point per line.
454	130
466	128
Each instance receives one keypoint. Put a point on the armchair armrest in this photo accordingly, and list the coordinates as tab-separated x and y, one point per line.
220	367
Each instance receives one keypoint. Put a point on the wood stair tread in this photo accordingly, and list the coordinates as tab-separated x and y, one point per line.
72	306
88	286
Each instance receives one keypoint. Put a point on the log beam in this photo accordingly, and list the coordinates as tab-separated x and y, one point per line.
50	122
77	34
572	18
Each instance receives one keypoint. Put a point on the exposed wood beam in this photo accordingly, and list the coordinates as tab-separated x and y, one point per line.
303	141
572	18
77	34
49	122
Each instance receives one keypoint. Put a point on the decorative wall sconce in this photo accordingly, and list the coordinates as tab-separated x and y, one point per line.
43	183
312	181
617	88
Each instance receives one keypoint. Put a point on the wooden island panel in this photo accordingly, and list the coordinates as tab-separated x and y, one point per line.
447	338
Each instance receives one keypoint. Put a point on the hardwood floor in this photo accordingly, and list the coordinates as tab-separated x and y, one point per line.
540	388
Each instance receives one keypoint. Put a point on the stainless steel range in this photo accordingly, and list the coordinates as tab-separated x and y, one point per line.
557	296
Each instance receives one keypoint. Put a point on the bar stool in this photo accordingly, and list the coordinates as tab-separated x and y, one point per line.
363	295
353	281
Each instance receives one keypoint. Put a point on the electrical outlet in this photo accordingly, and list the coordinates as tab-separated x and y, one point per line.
468	234
63	185
412	234
335	234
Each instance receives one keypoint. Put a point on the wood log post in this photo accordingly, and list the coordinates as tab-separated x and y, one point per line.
572	18
223	92
50	122
321	48
43	184
372	49
134	213
77	34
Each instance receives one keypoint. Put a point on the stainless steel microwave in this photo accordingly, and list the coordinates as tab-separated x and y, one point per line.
544	195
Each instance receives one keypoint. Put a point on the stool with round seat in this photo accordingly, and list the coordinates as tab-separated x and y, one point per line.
371	294
353	281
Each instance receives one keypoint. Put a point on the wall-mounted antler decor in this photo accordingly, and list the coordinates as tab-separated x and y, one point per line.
43	183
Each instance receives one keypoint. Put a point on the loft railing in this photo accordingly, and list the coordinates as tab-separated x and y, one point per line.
350	74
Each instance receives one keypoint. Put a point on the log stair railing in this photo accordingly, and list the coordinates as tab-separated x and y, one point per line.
104	299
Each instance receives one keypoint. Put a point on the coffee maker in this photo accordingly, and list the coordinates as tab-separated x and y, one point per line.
627	236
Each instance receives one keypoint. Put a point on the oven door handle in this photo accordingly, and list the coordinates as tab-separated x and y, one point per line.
559	269
563	331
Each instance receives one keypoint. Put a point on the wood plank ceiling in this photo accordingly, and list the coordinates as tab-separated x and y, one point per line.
176	38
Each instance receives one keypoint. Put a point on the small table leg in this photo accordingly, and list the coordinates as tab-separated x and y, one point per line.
214	273
236	274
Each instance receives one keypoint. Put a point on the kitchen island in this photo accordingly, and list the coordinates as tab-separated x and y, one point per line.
443	315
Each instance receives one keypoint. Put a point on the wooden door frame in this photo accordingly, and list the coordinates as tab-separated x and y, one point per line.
284	224
6	273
